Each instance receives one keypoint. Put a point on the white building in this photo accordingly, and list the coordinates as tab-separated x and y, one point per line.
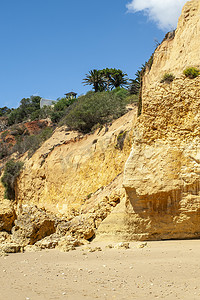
46	102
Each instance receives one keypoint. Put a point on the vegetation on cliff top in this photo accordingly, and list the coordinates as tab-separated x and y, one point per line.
4	111
112	92
106	79
24	112
96	109
84	114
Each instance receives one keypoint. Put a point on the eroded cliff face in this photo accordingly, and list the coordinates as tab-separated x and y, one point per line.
161	178
180	51
162	173
72	186
69	167
67	188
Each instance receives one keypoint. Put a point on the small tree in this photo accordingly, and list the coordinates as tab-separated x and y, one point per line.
4	111
27	107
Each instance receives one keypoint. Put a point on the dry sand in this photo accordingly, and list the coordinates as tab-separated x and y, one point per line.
160	270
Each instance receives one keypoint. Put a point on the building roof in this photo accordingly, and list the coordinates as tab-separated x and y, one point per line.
71	93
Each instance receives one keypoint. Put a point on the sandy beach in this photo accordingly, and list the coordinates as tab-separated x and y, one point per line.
159	270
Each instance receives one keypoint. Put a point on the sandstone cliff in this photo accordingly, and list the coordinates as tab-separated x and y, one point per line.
67	188
69	167
71	188
178	51
162	173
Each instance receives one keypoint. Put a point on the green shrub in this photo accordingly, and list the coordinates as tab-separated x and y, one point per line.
4	111
89	196
39	139
11	172
4	150
42	113
4	135
61	108
132	99
120	92
134	86
62	103
96	108
56	116
25	110
191	72
120	140
18	130
150	61
33	142
167	78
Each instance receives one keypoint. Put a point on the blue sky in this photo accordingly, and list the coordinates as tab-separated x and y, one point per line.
47	46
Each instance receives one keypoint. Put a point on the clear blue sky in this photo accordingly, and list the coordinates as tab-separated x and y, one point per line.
47	46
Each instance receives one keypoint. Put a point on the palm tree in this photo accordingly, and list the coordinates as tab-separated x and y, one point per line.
118	78
95	78
107	75
134	86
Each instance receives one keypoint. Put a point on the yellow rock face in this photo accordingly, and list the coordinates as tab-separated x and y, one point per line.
63	173
182	51
7	213
162	173
1	192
